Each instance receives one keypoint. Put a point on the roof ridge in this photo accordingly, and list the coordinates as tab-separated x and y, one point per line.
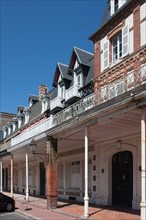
83	50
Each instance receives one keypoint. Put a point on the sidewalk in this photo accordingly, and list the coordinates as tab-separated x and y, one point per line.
67	210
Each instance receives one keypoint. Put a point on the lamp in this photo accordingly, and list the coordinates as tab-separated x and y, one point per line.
33	146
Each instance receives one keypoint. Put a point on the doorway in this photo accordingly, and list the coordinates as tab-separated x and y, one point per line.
42	179
122	178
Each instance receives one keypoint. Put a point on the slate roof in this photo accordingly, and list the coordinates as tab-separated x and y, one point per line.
83	56
53	93
64	71
33	97
35	110
90	75
107	17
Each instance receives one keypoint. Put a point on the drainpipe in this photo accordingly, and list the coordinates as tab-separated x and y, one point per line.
1	175
143	164
27	190
86	197
12	175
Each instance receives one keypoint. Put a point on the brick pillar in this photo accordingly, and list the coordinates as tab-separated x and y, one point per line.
51	174
136	27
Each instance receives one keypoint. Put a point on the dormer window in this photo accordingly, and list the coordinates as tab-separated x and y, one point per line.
116	5
44	98
61	91
26	112
15	120
78	79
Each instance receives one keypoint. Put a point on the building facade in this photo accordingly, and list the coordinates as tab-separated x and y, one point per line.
89	131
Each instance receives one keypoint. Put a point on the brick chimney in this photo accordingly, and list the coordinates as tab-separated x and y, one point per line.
43	89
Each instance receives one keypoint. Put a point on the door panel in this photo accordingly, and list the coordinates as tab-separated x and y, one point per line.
42	179
122	178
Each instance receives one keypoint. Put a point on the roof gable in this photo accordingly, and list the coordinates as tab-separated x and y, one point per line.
61	70
82	56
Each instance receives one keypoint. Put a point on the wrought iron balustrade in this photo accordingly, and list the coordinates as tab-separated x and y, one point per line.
74	109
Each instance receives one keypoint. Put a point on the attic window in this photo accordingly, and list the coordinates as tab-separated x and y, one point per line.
116	5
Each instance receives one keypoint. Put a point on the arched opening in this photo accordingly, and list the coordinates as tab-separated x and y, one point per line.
122	178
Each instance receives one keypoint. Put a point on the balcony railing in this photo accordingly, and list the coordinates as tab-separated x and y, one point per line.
105	93
56	103
126	83
72	92
32	132
74	109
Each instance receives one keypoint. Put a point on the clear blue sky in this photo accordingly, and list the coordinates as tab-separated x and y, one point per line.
35	35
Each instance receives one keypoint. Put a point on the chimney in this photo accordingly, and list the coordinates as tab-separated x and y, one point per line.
43	89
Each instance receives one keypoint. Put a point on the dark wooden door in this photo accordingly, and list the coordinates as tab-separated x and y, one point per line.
42	179
122	178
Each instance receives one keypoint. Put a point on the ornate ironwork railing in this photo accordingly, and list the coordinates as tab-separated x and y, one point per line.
74	109
119	86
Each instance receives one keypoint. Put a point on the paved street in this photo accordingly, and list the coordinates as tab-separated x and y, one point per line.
13	216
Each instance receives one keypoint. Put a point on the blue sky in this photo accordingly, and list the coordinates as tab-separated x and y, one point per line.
35	35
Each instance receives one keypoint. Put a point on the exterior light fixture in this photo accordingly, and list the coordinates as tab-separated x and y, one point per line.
33	146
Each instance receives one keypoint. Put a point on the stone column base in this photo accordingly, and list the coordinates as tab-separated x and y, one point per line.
143	210
51	202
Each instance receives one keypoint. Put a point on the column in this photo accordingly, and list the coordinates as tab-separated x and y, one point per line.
86	197
1	175
143	164
12	175
64	178
27	190
51	174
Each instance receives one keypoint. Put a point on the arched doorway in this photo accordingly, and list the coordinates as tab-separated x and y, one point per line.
122	178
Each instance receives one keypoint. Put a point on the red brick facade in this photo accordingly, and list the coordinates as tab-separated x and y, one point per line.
110	30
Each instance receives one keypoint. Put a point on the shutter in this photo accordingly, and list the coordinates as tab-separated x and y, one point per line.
125	40
106	54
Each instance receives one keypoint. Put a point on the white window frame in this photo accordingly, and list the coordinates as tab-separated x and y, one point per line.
78	79
62	91
118	44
